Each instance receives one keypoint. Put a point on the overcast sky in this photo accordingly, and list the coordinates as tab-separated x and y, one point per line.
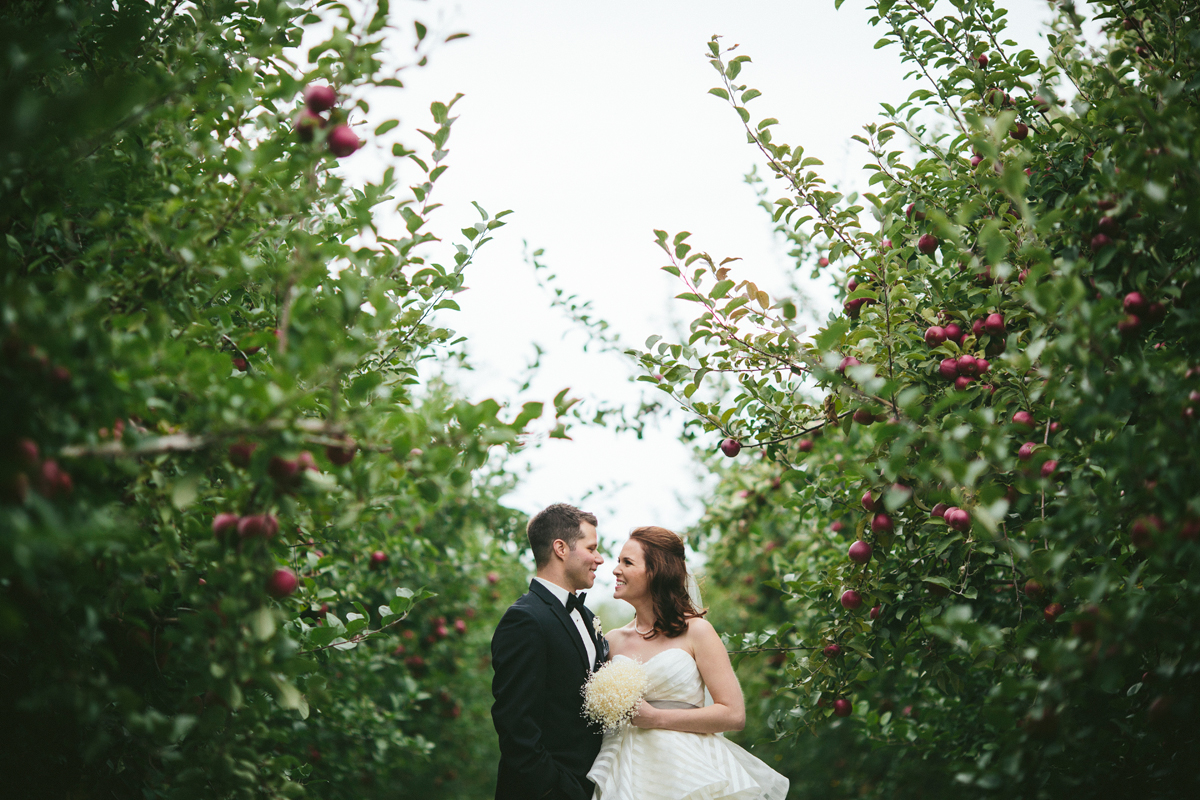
593	123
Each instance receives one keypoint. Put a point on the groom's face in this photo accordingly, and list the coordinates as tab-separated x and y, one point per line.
582	559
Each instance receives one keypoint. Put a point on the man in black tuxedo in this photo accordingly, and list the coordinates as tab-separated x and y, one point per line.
542	652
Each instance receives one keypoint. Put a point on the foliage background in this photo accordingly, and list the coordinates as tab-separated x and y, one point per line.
968	679
185	279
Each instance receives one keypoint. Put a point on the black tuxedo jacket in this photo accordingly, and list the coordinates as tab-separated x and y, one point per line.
546	746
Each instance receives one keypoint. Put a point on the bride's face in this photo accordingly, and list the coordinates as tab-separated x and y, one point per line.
630	572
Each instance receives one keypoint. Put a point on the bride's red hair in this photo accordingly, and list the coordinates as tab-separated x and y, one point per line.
667	574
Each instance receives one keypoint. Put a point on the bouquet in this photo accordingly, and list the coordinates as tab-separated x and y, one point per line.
613	694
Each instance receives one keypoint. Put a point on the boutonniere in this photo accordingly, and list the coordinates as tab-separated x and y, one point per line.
597	626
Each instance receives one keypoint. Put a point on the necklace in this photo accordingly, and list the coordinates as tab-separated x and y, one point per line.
639	630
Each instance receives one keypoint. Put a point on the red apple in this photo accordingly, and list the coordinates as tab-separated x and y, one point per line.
53	480
851	285
822	262
875	611
1190	530
1131	23
1026	451
912	212
1034	590
1023	418
836	526
967	365
320	98
224	523
805	445
1130	325
977	328
860	551
240	364
282	582
882	523
1049	468
1100	241
262	526
994	325
982	365
1135	303
343	454
305	461
842	707
832	651
731	447
928	243
939	510
954	332
1053	611
847	362
1143	531
1108	225
306	124
935	336
343	141
240	452
282	470
493	578
1156	312
864	416
378	558
1019	131
948	369
962	382
958	519
976	160
851	600
460	626
27	452
869	501
982	59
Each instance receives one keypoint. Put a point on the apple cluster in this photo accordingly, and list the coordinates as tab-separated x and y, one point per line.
48	478
319	99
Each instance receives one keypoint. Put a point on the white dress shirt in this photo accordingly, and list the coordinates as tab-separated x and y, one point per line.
562	594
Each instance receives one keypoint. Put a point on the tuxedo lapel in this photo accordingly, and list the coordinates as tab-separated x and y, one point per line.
560	611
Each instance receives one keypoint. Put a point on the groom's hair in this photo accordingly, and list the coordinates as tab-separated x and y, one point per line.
559	521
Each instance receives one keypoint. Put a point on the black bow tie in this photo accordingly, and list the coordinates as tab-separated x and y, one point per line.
575	601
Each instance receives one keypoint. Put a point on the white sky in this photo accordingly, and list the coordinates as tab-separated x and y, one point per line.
593	123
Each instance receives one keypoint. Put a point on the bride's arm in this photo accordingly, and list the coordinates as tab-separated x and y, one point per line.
728	711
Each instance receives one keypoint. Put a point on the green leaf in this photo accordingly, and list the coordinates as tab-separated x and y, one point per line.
721	289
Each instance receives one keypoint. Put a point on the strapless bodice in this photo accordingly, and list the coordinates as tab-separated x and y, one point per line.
657	764
674	679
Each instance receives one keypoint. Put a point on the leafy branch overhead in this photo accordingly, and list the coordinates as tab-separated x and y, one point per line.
973	517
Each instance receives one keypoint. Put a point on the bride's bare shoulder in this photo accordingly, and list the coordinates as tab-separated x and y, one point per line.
701	631
619	634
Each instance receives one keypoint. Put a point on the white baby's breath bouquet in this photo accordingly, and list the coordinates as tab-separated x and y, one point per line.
613	694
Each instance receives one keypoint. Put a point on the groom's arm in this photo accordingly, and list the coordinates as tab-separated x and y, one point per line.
519	661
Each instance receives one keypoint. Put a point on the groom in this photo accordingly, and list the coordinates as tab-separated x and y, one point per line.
542	652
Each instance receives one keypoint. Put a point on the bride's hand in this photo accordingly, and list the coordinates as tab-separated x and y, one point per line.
647	716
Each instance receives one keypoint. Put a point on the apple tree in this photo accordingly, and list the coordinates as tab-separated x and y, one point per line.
986	457
229	490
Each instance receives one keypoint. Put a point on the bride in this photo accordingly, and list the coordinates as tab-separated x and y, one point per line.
674	750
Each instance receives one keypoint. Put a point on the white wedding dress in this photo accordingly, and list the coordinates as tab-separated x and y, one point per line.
641	764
